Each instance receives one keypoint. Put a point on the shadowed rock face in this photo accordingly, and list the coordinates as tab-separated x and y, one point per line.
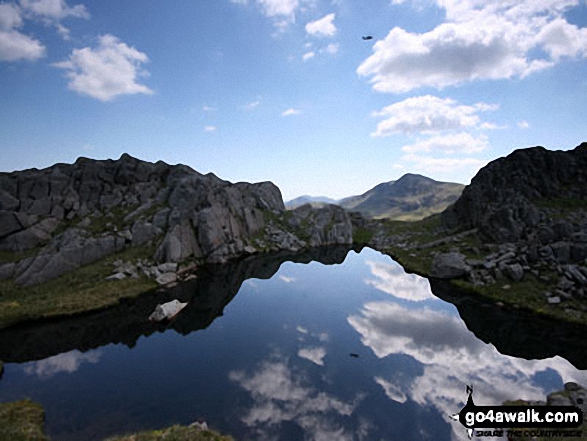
75	214
207	297
500	200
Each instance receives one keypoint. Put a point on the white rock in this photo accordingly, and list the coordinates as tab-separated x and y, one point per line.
167	311
117	276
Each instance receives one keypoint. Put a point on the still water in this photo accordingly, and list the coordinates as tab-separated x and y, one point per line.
342	345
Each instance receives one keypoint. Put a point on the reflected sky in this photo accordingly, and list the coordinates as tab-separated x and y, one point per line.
277	365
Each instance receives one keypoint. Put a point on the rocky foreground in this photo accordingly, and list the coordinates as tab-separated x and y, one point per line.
56	220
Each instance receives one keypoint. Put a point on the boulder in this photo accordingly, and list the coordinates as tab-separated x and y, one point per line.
449	266
514	272
166	278
167	311
7	270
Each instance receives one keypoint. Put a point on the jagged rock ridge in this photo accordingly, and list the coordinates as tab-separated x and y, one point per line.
70	215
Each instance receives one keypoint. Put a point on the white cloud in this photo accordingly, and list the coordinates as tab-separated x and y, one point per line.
68	362
10	16
210	129
15	45
431	164
239	2
463	143
315	355
54	9
332	48
110	70
479	40
279	8
208	108
308	55
287	279
523	124
323	27
290	112
428	114
252	105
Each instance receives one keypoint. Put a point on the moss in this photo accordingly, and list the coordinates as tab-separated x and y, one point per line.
174	433
362	236
22	421
82	290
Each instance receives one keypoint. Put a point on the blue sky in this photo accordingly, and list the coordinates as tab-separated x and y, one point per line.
287	90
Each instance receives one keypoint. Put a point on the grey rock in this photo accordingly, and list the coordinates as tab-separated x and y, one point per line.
514	272
449	266
9	224
117	276
160	218
143	232
555	300
167	267
579	252
561	251
7	270
166	278
8	202
574	272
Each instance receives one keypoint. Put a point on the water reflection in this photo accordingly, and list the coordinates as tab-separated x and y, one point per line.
68	362
273	361
207	296
451	355
281	395
392	279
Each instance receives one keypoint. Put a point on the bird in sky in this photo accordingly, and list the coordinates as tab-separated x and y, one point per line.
368	37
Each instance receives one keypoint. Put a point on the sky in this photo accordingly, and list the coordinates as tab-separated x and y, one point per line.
287	90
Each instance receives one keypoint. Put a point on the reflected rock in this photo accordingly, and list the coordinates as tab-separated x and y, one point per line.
517	332
167	311
206	297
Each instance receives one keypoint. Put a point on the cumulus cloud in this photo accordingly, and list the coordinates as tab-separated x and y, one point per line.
463	143
523	124
279	8
15	45
323	27
479	40
308	55
427	114
210	129
54	9
290	112
110	70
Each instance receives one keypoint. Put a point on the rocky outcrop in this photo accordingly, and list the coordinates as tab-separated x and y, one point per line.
70	215
503	199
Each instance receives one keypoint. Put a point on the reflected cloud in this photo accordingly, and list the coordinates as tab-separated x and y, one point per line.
315	355
281	395
452	357
392	279
301	330
393	391
68	362
287	279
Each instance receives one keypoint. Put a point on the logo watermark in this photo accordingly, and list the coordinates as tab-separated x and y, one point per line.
521	421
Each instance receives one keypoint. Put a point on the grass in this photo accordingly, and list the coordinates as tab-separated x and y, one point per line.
174	433
82	290
22	421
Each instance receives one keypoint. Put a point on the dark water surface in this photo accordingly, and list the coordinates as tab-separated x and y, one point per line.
276	363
